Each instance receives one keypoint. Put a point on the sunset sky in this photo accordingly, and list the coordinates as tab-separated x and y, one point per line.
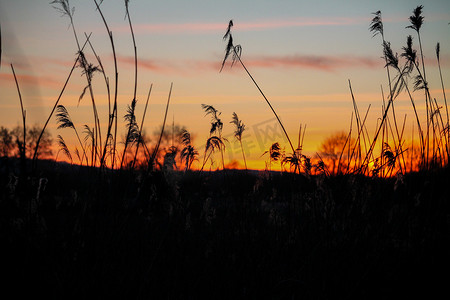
301	53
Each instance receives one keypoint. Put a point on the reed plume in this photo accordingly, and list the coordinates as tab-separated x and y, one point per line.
434	116
275	153
140	139
216	126
212	144
400	84
55	105
88	69
64	121
63	148
63	6
376	27
188	153
416	20
89	135
237	52
132	128
239	129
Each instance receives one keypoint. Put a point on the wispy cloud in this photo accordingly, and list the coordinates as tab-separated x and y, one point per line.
147	64
317	62
323	63
161	66
30	81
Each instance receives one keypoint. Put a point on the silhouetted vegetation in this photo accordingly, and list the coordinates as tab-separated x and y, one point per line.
69	233
135	220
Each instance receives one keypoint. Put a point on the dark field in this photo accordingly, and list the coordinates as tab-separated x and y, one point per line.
71	232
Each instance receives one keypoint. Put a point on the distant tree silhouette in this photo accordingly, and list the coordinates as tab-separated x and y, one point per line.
6	142
170	139
170	163
12	142
331	149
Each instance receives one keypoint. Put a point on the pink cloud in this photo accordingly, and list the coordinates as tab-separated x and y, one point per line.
147	64
317	62
327	63
153	65
298	23
322	63
30	80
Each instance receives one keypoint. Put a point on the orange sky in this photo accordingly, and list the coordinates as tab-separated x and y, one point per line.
301	56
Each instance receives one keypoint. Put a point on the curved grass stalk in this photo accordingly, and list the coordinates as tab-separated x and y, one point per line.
348	140
113	116
433	108
105	78
265	98
401	82
216	126
88	69
237	50
155	151
213	143
63	147
64	121
139	141
56	104
132	132
442	81
377	28
24	113
357	143
135	49
240	127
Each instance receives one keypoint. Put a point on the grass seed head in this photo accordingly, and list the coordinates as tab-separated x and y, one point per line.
392	60
63	118
409	54
63	147
438	50
416	19
376	26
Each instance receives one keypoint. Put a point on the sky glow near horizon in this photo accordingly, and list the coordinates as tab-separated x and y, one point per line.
301	53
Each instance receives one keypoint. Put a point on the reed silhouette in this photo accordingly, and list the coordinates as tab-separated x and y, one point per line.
63	148
214	141
188	153
64	121
22	147
239	129
236	51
